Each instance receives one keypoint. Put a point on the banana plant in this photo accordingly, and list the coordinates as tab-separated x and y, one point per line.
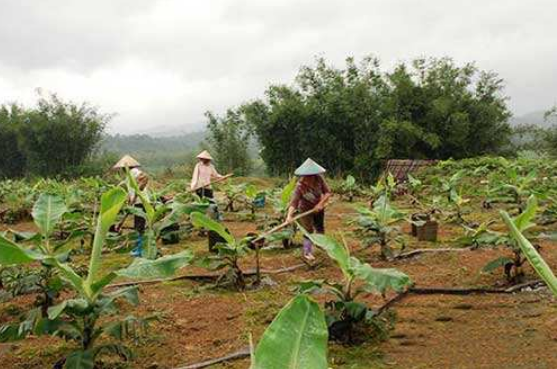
233	194
514	188
281	203
349	187
250	198
345	314
385	186
296	339
229	252
158	215
449	186
379	226
515	227
513	266
415	186
459	204
83	318
48	212
480	236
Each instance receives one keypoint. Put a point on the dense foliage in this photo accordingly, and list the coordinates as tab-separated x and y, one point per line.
229	142
351	119
53	138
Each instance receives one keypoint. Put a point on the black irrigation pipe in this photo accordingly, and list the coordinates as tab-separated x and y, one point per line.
245	352
470	291
417	252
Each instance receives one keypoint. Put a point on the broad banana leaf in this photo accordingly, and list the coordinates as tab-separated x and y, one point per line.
497	263
336	250
379	280
163	267
524	220
296	339
535	259
13	254
149	209
287	191
111	203
349	182
202	221
80	360
47	211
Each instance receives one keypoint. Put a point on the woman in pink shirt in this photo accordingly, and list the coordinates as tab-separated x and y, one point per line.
203	173
312	192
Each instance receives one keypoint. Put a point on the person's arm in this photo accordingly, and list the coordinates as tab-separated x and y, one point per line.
195	177
324	197
293	204
214	172
323	202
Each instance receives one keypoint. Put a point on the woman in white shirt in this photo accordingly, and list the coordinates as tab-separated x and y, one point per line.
203	173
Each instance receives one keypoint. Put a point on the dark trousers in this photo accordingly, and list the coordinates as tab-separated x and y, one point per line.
139	222
314	222
204	193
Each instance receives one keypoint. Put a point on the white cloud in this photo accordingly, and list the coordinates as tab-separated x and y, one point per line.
166	62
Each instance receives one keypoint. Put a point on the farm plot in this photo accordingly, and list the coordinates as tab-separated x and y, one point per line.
470	299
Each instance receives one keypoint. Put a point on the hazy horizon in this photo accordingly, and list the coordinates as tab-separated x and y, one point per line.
164	63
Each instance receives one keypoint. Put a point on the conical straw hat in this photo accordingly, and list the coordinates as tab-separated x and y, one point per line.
126	162
205	155
309	168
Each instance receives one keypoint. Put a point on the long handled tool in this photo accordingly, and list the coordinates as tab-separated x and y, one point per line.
285	224
208	184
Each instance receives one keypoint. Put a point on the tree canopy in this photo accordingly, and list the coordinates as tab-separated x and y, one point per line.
351	119
53	138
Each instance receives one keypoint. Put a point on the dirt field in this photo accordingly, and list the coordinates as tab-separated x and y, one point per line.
197	322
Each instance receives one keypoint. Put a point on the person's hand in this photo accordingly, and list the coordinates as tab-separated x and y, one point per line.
319	207
289	218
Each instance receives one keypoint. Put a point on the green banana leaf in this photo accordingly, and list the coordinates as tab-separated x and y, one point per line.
47	211
296	339
149	209
336	250
80	360
287	191
12	254
524	220
350	181
162	267
535	259
200	220
379	280
497	263
111	203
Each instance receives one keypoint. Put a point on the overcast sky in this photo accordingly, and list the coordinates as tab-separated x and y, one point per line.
164	63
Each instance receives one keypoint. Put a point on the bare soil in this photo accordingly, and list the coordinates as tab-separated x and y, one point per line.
197	322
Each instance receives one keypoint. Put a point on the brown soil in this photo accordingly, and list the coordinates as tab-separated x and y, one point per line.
197	322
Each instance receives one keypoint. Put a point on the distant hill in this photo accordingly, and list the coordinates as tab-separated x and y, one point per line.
155	153
535	118
124	144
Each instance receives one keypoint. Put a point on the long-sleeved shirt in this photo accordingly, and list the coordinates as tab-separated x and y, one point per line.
307	197
202	175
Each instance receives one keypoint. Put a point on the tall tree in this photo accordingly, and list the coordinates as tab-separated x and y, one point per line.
229	142
12	158
352	119
57	136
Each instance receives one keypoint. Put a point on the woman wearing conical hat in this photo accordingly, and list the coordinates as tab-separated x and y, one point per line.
139	223
312	192
203	173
